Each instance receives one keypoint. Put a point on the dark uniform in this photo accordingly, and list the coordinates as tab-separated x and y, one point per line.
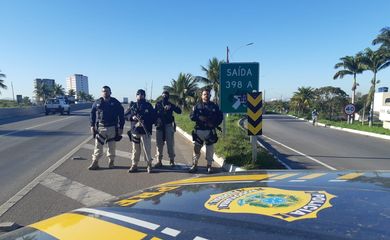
165	128
207	117
106	116
142	117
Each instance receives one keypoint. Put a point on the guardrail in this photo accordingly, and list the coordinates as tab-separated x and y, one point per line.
7	113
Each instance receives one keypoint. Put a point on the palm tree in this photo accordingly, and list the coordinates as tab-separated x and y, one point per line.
42	91
212	79
351	66
303	99
183	90
383	38
2	85
71	92
82	96
59	90
374	61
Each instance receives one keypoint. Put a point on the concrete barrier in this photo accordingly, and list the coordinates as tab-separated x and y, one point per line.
6	113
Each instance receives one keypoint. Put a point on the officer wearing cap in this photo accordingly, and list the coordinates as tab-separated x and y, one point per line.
142	116
165	128
107	121
207	117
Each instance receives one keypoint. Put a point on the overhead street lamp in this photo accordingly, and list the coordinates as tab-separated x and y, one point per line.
228	50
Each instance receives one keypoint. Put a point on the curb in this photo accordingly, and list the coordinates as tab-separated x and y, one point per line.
369	134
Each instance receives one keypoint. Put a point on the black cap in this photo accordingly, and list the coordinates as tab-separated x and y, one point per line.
141	92
165	92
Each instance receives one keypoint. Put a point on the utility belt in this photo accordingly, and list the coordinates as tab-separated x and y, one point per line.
101	139
210	139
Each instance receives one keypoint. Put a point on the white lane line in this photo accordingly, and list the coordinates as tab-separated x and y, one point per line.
36	126
171	232
200	238
300	153
297	180
75	190
131	220
268	181
337	180
19	195
283	163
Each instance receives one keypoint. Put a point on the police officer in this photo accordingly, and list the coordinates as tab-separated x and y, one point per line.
165	128
107	120
142	117
207	117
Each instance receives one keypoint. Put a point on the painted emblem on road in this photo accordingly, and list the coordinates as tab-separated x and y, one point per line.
274	202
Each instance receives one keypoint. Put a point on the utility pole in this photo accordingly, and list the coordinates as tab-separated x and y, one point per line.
13	95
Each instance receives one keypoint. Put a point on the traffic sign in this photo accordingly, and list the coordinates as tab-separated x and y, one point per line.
255	113
236	80
349	109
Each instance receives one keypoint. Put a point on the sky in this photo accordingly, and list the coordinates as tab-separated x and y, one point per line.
129	45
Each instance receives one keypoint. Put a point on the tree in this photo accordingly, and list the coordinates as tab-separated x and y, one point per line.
330	101
89	98
26	101
82	96
374	61
58	90
212	77
2	85
71	92
183	90
351	66
302	99
383	38
42	91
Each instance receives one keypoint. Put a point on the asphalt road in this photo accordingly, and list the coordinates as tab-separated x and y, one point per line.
29	147
301	145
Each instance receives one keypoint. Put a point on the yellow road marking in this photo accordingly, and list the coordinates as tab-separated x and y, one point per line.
283	176
155	238
350	176
254	177
70	226
313	175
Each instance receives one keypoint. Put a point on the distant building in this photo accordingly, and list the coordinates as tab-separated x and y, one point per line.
77	82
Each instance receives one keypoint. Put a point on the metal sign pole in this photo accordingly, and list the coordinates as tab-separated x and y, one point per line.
254	149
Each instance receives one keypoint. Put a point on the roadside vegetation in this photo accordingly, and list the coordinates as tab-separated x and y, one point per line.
235	147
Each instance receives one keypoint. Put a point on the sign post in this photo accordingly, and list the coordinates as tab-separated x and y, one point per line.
349	109
255	119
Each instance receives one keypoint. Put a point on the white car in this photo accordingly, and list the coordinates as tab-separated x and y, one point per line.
56	105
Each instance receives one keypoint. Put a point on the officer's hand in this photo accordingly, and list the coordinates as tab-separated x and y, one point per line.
93	130
167	107
120	131
202	118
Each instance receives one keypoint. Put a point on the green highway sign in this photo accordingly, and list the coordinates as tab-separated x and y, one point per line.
236	80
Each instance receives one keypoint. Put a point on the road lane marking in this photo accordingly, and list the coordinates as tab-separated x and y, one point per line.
313	175
131	220
279	160
19	195
36	126
337	180
85	227
75	190
350	176
200	238
300	153
171	232
283	176
297	180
